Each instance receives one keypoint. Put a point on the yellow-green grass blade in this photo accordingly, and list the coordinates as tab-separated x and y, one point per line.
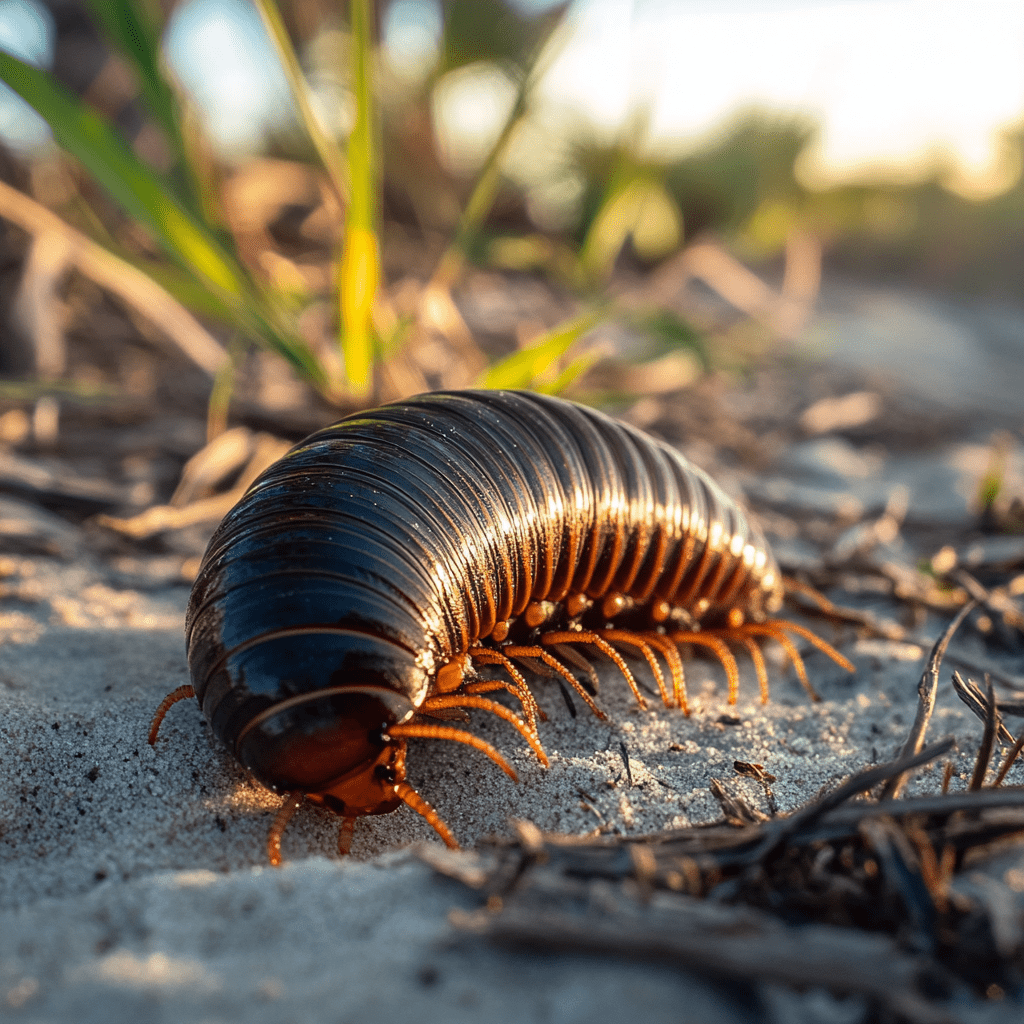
78	129
527	367
132	28
576	368
359	268
138	189
327	149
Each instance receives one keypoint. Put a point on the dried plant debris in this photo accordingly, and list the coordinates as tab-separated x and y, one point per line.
918	591
858	892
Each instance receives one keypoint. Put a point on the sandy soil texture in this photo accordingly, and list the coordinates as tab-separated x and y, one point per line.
133	881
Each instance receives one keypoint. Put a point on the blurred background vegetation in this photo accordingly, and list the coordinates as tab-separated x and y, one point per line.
323	204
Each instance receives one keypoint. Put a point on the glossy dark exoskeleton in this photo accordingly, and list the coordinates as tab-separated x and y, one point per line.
347	595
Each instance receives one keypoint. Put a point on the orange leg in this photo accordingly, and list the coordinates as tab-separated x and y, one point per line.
491	656
776	629
724	655
460	700
345	834
445	714
554	663
586	637
531	709
571	655
411	798
181	693
813	638
292	802
675	666
637	640
756	657
772	629
409	730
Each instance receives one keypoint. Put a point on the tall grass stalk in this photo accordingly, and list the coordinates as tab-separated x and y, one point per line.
359	269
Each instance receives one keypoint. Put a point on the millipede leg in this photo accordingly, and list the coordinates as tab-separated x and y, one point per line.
675	667
586	637
345	834
412	799
410	730
774	629
758	659
623	636
459	700
554	663
181	693
292	802
574	657
724	655
811	637
771	629
490	656
531	709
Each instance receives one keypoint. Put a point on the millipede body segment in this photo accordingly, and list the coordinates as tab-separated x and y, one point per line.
343	604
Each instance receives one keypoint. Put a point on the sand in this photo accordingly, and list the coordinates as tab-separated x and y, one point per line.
133	880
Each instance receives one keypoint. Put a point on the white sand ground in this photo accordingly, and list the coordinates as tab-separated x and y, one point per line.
133	885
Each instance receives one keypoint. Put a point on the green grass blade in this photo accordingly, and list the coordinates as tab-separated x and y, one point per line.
571	373
104	154
327	149
488	182
359	269
78	129
135	35
133	30
527	367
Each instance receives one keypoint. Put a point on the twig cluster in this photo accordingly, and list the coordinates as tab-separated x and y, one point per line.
859	892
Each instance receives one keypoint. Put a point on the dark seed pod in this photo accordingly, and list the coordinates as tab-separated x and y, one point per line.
343	604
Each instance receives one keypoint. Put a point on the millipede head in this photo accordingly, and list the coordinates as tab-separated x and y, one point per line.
331	747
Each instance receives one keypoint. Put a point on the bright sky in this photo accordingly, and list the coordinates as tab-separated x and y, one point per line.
28	35
893	82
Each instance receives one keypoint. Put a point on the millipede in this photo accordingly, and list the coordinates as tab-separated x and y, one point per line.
345	605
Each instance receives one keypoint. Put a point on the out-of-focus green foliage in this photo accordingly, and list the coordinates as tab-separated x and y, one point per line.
492	30
622	207
174	207
327	149
720	188
144	196
672	333
135	34
925	233
532	366
635	208
152	201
